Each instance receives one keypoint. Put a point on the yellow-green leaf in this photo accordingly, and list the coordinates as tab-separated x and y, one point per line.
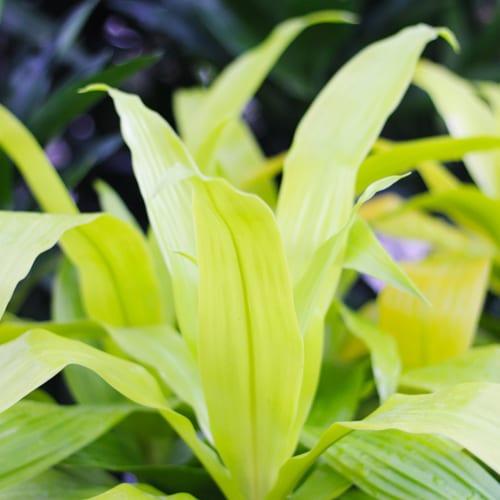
335	135
230	92
403	156
23	236
455	287
480	364
250	347
465	114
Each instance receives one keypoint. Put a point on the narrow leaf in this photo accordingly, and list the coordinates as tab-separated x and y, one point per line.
366	254
334	137
386	364
465	115
234	87
403	156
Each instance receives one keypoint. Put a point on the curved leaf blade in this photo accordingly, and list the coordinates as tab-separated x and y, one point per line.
250	350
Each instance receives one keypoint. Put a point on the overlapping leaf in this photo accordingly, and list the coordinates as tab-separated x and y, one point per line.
250	348
61	429
465	115
105	252
430	333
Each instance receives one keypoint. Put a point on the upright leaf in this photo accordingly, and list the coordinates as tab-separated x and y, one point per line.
105	253
232	89
428	334
334	137
250	350
162	166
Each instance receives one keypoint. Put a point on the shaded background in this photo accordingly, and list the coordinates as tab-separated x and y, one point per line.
48	49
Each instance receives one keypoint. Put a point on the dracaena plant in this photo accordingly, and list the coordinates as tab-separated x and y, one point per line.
253	277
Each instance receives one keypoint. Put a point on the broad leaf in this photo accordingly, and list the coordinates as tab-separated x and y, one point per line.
465	115
60	484
162	166
35	357
394	464
250	348
428	334
61	429
111	292
23	236
480	364
464	413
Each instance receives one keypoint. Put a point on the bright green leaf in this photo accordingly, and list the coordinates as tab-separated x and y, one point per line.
366	254
233	88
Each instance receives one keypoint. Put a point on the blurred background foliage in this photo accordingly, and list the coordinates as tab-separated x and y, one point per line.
49	49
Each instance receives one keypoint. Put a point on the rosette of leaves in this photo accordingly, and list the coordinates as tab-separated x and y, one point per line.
220	330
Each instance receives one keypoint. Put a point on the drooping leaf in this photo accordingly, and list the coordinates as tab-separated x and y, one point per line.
23	236
403	156
61	429
430	333
465	115
366	254
464	413
35	357
250	350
